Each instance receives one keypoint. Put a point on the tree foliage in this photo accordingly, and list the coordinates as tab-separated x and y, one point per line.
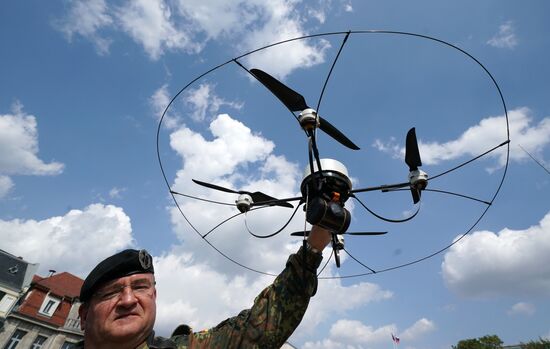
540	344
485	342
494	342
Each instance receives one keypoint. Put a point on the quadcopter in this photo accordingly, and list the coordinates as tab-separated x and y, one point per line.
326	185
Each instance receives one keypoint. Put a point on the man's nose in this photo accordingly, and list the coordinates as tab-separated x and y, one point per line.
127	297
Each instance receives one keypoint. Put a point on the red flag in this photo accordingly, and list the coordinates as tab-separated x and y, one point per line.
395	339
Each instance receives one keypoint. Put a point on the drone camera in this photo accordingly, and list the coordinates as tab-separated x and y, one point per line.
330	215
244	201
327	190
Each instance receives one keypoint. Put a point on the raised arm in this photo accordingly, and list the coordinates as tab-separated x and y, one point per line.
277	310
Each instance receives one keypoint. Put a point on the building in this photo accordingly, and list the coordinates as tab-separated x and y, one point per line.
46	316
15	279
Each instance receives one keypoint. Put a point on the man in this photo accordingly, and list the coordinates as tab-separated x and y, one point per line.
119	305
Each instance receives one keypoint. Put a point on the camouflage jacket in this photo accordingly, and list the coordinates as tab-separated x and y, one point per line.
274	316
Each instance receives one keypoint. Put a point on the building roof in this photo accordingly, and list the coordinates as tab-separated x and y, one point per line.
63	284
13	271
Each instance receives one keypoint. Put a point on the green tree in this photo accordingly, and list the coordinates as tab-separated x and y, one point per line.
540	344
485	342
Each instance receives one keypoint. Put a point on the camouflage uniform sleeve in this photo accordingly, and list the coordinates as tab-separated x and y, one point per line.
276	312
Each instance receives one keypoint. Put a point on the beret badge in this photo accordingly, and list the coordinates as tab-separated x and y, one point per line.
145	259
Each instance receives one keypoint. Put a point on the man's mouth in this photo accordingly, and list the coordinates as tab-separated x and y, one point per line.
124	316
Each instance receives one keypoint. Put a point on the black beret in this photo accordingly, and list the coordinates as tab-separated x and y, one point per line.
124	263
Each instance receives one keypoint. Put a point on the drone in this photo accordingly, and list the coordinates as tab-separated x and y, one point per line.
326	185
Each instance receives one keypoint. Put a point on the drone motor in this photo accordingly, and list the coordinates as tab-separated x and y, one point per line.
418	179
308	119
244	201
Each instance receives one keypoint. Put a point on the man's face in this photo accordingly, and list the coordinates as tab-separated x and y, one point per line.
121	310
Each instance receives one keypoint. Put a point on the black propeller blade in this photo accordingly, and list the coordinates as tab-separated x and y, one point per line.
412	159
336	134
290	98
301	233
412	154
415	194
296	102
257	197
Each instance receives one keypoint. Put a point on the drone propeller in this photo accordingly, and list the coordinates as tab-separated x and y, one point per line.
257	197
306	233
412	159
296	102
412	154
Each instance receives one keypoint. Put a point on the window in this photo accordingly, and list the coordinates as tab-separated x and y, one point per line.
6	303
38	341
15	339
49	306
68	345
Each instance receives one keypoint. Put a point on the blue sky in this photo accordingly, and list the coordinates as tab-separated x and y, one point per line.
83	86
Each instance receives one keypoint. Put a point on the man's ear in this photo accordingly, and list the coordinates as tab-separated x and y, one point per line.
82	313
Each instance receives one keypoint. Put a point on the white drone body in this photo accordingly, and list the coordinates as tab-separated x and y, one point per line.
333	170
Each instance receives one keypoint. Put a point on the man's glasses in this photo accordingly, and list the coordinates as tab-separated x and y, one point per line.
138	287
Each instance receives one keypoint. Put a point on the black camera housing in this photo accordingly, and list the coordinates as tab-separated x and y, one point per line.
328	214
326	192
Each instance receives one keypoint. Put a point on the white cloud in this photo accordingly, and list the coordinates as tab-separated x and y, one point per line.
319	10
116	193
5	185
352	334
159	101
487	134
87	18
355	332
505	38
348	7
150	23
191	292
204	102
280	24
188	25
510	262
233	145
522	308
19	148
417	330
218	18
74	242
333	298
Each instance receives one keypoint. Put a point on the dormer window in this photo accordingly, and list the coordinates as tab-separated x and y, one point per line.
49	306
